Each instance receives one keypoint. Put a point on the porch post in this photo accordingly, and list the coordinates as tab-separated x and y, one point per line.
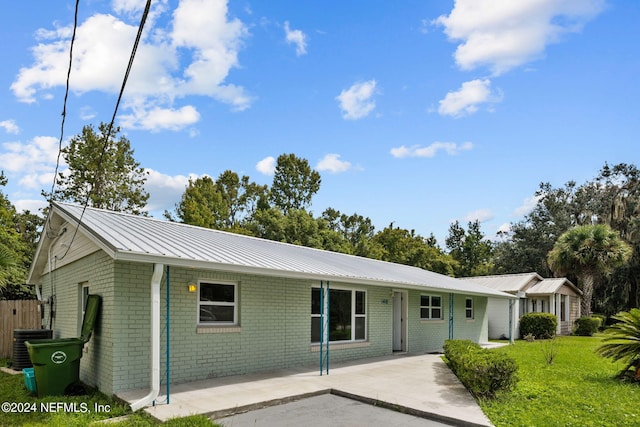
450	316
324	327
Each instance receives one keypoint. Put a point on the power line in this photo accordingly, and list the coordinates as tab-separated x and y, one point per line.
110	127
64	107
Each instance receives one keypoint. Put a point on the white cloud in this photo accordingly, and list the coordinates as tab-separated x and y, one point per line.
192	55
128	6
36	181
156	119
10	126
35	157
165	190
481	215
356	102
504	228
333	164
266	166
527	205
30	205
506	34
296	37
87	113
465	100
451	148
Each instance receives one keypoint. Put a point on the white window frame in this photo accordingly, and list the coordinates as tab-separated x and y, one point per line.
469	312
353	313
430	307
233	304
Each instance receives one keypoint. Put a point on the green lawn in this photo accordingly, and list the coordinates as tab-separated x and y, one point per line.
578	389
51	411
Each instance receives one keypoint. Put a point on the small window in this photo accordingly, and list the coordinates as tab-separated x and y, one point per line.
217	304
468	308
430	307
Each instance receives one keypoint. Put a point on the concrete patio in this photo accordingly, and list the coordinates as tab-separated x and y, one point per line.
418	385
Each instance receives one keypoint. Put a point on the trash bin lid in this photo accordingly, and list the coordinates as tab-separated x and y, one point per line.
90	315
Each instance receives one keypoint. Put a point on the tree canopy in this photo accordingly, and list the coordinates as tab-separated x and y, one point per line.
588	251
294	183
18	237
102	172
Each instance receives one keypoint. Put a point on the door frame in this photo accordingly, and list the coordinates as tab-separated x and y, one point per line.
399	324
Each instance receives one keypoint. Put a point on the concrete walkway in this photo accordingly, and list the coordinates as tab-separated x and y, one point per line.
418	385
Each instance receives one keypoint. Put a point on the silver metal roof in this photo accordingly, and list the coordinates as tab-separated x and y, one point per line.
552	286
511	283
530	283
144	239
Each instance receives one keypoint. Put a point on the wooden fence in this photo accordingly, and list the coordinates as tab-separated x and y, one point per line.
19	314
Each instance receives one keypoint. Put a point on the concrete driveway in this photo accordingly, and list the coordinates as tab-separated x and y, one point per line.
422	386
326	410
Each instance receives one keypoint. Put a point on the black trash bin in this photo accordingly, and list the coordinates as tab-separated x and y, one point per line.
56	362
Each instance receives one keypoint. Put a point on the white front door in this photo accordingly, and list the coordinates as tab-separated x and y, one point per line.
399	321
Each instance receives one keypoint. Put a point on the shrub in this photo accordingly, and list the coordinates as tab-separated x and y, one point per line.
540	325
587	326
482	371
454	351
603	321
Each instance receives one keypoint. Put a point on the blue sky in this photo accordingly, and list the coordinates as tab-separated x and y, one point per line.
418	113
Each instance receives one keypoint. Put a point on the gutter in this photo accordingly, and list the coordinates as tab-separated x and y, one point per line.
155	341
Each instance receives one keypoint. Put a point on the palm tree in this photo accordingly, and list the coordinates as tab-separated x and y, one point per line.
588	251
622	341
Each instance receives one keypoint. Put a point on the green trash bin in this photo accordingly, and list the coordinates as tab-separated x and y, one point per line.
56	362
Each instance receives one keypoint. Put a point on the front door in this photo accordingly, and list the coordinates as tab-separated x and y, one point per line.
399	321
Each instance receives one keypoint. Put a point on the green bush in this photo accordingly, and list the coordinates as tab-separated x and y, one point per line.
587	326
454	351
482	371
540	325
603	321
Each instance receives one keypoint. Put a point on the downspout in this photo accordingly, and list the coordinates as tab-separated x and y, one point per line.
511	321
155	340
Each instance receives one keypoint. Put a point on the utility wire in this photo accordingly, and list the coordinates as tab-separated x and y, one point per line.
113	119
64	112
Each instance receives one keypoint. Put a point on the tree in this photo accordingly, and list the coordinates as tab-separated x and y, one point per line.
355	230
470	249
240	196
102	172
619	188
622	341
294	183
202	205
226	204
526	245
15	251
297	227
588	251
406	247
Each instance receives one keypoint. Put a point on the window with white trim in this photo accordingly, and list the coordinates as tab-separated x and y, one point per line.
217	303
468	308
430	307
347	315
